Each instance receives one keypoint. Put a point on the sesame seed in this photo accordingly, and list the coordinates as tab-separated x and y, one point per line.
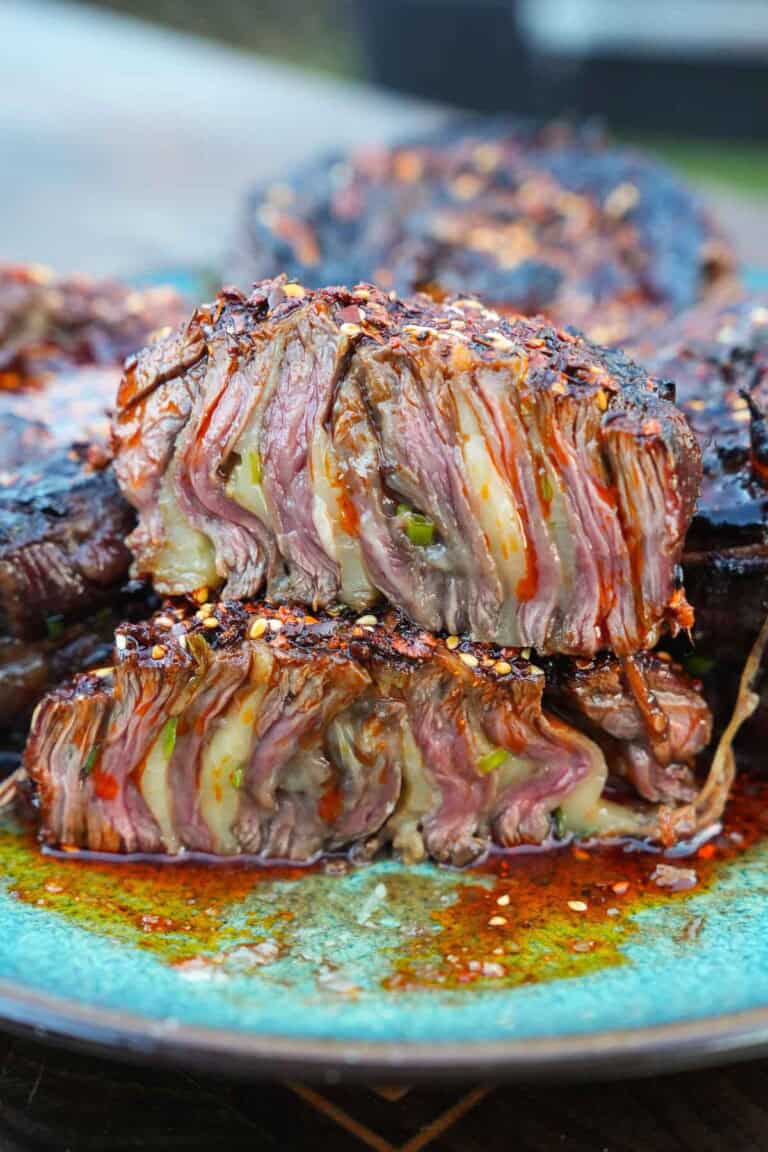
257	628
158	652
502	668
210	622
503	900
452	642
296	291
620	887
497	921
500	341
577	906
368	620
468	659
275	625
120	641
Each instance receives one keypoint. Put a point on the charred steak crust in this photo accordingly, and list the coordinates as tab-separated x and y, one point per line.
486	474
718	358
62	542
251	728
549	218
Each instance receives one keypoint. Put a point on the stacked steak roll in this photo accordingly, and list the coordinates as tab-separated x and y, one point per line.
373	510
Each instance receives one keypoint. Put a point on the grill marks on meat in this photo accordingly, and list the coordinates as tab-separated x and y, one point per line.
255	729
295	441
532	217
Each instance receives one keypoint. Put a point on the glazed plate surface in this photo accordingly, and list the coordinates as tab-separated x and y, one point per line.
571	962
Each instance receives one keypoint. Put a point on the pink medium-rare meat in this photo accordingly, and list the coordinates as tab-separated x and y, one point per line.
251	729
489	476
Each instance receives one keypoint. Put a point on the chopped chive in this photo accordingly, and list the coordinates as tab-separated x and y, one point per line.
492	760
698	664
561	829
254	463
419	529
54	626
91	759
237	776
168	736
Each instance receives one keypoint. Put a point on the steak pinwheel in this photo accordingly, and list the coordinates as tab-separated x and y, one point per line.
248	729
489	476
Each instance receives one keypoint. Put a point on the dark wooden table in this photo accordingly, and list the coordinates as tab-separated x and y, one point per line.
124	148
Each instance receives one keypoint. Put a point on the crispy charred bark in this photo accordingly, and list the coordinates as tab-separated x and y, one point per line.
532	217
247	728
62	543
485	475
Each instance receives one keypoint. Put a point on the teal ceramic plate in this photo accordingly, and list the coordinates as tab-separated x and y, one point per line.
540	964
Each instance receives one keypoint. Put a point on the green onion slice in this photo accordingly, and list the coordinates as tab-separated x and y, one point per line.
237	776
168	736
254	464
492	760
91	759
561	829
419	529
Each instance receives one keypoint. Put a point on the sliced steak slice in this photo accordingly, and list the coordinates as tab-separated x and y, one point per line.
550	218
490	476
248	728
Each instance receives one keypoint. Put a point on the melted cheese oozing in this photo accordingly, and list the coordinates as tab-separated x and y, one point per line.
157	794
226	752
495	509
356	588
187	558
241	487
418	797
585	811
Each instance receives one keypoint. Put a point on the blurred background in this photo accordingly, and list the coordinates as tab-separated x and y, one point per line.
129	129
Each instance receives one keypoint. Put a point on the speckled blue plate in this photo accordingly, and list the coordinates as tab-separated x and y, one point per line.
572	963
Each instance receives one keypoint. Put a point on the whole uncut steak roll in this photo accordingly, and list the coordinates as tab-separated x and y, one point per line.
486	475
550	218
261	730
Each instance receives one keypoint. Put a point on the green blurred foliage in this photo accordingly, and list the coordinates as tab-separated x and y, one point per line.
319	34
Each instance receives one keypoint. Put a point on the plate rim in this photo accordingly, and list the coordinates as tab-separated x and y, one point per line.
607	1054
